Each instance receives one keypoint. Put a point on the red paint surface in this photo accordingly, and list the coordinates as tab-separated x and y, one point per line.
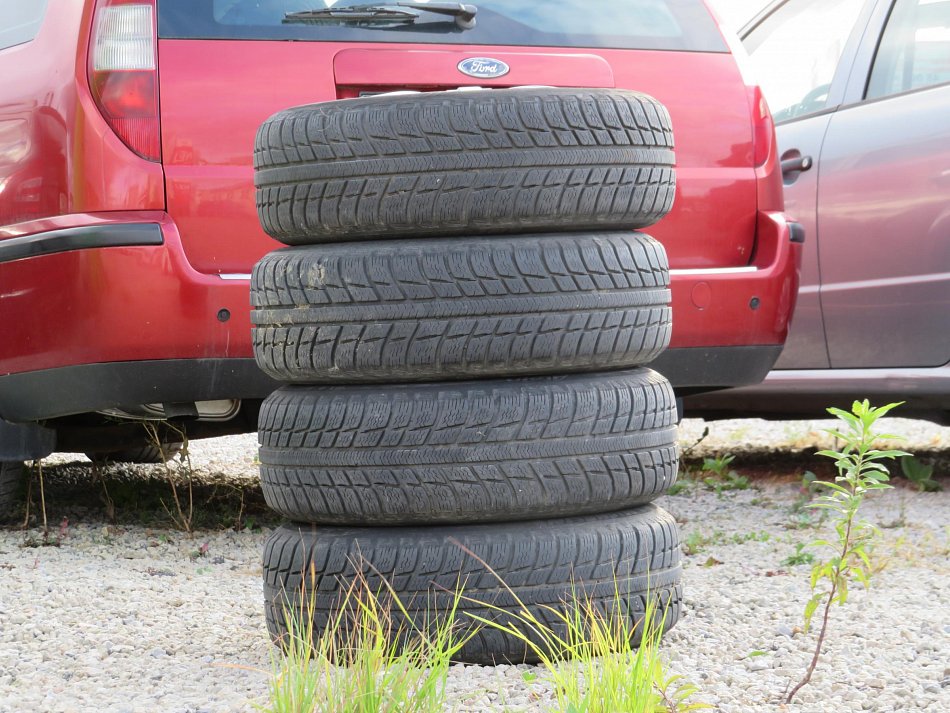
61	166
117	304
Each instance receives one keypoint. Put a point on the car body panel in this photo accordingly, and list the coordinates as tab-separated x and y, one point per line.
116	303
874	307
58	156
210	179
805	346
62	168
884	232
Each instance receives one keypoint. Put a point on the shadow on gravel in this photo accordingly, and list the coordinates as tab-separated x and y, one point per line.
769	466
136	495
141	495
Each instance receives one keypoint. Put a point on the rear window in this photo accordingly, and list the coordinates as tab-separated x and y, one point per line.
683	25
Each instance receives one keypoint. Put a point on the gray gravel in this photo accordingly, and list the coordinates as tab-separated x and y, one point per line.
126	618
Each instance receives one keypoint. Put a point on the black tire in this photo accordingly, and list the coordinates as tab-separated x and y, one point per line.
430	310
634	554
11	479
468	452
145	453
464	163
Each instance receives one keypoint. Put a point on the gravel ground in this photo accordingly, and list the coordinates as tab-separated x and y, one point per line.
126	617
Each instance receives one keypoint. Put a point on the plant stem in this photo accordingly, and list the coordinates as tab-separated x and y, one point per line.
29	499
39	470
825	615
821	639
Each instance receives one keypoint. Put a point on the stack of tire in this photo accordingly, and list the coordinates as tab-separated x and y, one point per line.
461	321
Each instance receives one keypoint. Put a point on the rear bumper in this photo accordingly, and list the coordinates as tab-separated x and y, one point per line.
50	393
126	302
741	306
104	310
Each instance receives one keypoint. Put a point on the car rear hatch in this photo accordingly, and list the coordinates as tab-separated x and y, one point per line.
226	65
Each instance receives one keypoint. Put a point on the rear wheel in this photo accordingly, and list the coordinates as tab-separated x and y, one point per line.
617	562
11	479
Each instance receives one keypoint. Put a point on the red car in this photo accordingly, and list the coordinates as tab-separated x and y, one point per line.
127	213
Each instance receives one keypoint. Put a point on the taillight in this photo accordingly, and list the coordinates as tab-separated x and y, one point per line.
763	130
123	72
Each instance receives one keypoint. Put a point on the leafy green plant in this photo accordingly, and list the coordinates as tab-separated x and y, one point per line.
730	481
720	476
695	542
683	485
596	656
363	662
739	538
799	556
860	471
920	474
718	465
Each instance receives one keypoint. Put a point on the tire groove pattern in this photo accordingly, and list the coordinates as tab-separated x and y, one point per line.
435	310
468	452
544	563
451	163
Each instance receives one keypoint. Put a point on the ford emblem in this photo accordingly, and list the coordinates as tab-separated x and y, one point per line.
483	67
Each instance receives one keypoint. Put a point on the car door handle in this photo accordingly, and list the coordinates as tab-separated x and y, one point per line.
797	164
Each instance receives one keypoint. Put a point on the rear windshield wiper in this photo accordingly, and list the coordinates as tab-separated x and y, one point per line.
385	14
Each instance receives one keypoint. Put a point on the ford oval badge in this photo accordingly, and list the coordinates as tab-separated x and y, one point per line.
483	67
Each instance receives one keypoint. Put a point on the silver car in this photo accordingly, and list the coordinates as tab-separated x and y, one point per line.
860	92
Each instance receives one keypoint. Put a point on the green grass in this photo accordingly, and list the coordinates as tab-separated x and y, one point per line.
364	662
697	540
593	660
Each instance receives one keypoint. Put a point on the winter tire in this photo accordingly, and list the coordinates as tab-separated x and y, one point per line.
429	310
468	451
617	561
11	478
464	163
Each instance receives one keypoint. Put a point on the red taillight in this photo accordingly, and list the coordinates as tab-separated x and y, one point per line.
123	72
763	130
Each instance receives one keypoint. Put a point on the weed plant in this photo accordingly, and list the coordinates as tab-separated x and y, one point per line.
596	658
799	556
183	515
685	481
363	661
847	557
920	474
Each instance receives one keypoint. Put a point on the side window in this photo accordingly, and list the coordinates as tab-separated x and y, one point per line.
795	52
915	48
20	20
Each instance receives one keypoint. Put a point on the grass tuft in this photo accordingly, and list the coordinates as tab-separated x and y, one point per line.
364	661
598	659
